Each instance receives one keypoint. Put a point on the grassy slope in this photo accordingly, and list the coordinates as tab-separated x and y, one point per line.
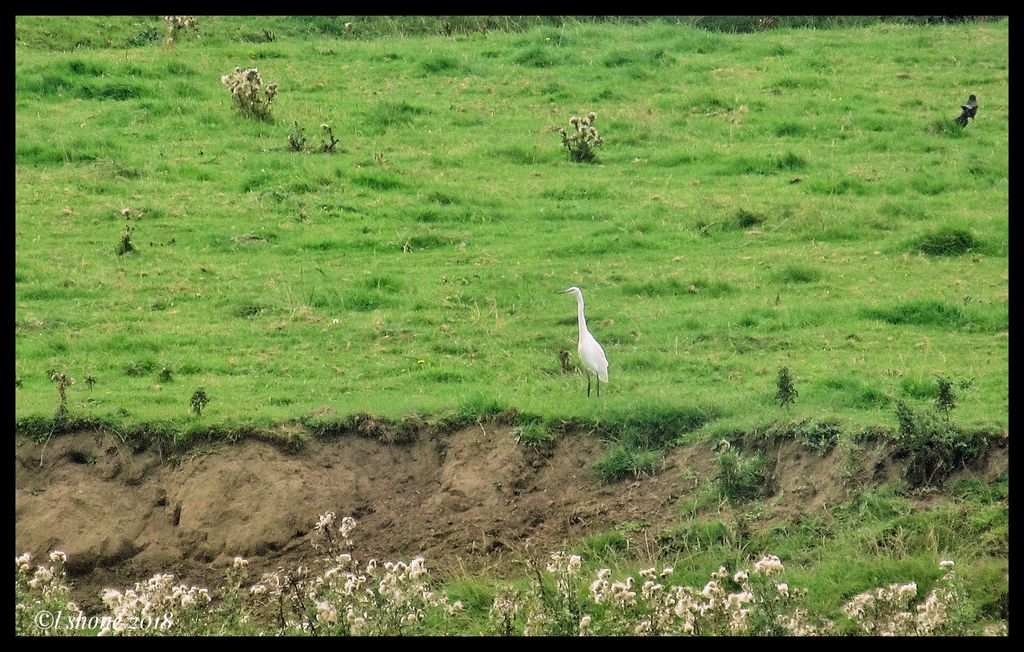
447	150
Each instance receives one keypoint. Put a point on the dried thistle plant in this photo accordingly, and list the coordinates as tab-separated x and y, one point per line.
327	145
62	381
582	141
125	246
248	92
297	139
179	26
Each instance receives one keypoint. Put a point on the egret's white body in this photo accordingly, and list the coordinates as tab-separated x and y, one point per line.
591	354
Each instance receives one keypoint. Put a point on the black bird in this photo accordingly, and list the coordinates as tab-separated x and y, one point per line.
970	110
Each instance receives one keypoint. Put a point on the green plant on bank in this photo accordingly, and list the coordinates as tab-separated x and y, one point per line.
932	445
945	399
198	401
787	391
583	140
250	96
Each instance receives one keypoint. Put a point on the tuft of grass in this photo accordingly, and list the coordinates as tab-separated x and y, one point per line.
378	181
623	461
534	434
439	63
798	274
940	315
673	287
947	241
786	129
535	57
605	544
387	114
695	536
744	219
946	127
741	477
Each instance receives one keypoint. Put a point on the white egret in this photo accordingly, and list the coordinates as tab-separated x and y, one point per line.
591	353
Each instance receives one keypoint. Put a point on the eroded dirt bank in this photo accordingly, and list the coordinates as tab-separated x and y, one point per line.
468	501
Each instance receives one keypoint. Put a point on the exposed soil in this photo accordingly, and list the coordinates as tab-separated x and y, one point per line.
468	501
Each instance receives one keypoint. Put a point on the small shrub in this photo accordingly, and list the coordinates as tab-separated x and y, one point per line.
582	142
932	446
945	400
198	401
787	391
166	375
554	598
250	96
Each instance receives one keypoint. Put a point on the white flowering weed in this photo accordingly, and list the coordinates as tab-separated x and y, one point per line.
583	139
248	92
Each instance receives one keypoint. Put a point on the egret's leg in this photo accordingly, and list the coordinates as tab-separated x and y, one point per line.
588	384
598	388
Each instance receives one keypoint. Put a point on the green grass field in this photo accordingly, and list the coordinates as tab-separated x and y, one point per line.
788	198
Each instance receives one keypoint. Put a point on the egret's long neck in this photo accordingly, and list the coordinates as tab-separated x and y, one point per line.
579	310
